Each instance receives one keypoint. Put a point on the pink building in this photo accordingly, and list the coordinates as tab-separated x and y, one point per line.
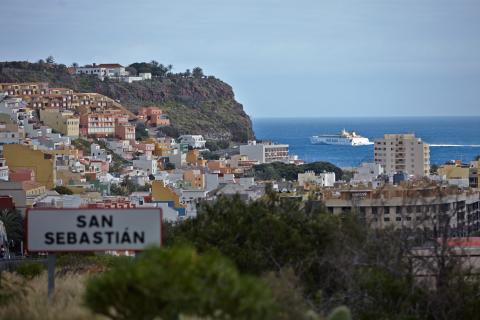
99	166
103	124
125	131
145	148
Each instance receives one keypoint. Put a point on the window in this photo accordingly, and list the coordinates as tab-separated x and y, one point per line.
386	219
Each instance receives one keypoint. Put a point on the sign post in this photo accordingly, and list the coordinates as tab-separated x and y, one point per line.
90	230
51	275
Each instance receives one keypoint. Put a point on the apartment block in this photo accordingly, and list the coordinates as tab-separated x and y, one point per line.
410	206
101	124
403	153
265	153
18	89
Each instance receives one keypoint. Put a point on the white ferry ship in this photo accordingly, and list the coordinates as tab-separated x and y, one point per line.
344	138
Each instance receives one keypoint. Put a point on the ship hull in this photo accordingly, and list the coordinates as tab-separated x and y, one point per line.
340	141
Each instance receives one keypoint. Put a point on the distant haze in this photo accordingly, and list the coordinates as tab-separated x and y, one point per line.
283	58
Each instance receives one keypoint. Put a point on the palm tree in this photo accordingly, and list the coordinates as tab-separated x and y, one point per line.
13	222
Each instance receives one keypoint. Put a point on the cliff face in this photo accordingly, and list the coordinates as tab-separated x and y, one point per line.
204	105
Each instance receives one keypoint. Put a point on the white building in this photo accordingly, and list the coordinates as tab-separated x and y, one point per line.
96	152
403	153
367	172
147	163
123	148
177	157
16	109
265	153
3	170
194	141
9	134
145	75
140	77
102	71
324	179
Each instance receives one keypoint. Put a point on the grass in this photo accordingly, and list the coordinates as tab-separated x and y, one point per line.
27	299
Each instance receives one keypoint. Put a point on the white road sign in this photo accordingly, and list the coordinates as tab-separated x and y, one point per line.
55	230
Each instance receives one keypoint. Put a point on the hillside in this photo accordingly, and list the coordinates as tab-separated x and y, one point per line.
196	105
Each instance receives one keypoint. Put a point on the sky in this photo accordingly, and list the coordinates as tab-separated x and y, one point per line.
302	58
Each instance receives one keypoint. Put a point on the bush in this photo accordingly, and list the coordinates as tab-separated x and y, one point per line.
30	270
63	190
167	283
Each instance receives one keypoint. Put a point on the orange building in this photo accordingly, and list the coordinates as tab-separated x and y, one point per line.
195	177
153	116
218	166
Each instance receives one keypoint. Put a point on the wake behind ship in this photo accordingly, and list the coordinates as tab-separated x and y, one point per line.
343	138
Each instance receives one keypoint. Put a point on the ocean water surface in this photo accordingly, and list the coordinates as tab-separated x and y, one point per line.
449	137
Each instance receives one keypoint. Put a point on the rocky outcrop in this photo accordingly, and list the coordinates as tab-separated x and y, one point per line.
203	105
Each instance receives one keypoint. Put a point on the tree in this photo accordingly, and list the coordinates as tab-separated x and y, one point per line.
141	131
13	223
50	60
197	72
187	73
75	65
168	283
63	190
131	70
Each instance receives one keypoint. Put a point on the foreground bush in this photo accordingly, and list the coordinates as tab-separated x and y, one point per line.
30	270
167	283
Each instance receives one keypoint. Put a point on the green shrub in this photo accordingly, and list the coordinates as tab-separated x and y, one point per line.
340	313
167	283
30	270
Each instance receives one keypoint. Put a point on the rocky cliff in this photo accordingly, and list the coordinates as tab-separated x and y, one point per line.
196	105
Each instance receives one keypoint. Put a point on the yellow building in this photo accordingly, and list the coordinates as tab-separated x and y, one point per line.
23	156
160	192
192	156
453	171
64	122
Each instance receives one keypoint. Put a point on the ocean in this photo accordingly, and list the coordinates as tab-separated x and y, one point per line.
450	138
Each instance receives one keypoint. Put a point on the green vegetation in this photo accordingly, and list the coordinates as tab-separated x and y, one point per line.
194	103
82	144
213	145
63	190
208	155
338	260
126	187
177	281
279	170
141	131
153	67
30	270
13	223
